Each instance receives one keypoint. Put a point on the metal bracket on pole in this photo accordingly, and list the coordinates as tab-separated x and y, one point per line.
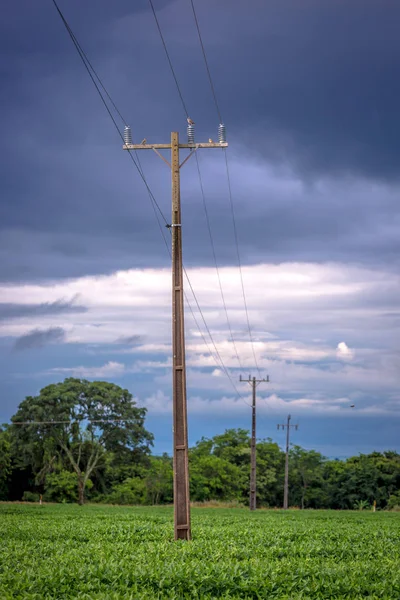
192	151
162	157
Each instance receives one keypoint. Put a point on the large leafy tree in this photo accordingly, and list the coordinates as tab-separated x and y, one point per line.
79	421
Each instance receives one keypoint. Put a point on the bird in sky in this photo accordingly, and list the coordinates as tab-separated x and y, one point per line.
210	141
143	141
352	405
190	122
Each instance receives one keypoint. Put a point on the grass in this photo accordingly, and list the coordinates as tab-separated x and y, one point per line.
110	553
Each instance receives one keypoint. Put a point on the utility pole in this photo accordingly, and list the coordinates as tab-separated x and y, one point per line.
253	467
286	488
180	449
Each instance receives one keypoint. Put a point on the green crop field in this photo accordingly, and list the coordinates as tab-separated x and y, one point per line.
62	551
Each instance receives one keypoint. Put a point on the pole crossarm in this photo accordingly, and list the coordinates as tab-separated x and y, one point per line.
284	425
250	380
192	147
181	146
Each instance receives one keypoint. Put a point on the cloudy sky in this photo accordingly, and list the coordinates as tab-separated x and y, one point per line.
309	92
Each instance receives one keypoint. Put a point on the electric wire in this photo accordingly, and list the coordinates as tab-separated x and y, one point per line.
206	62
69	422
139	168
220	363
82	56
200	178
77	43
215	260
240	263
225	370
229	184
87	63
169	58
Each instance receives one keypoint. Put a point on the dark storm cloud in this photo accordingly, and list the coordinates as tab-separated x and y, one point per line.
310	84
314	82
37	338
16	311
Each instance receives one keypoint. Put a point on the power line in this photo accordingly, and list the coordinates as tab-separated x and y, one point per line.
220	363
204	321
229	182
201	187
169	59
86	64
69	422
81	50
215	260
90	70
206	62
240	262
137	164
212	340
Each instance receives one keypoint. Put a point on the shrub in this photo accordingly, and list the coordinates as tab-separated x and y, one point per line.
62	486
131	491
30	497
394	501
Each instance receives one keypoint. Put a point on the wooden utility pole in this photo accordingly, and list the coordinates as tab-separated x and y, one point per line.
180	462
253	459
286	488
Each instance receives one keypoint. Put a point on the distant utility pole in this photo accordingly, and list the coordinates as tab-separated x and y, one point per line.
286	488
180	464
253	468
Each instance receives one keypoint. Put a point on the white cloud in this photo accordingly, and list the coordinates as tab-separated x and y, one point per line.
217	373
297	313
159	404
344	352
110	369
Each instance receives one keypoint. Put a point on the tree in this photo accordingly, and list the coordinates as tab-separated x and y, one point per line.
305	469
394	501
61	486
367	477
79	421
5	463
270	473
220	466
233	446
334	474
130	491
159	479
215	478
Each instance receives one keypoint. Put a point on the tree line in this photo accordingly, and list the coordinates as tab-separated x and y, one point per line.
80	440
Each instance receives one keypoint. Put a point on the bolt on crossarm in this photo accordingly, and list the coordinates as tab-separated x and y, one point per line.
253	466
180	431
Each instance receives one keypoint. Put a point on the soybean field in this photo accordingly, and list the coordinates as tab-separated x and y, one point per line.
106	552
